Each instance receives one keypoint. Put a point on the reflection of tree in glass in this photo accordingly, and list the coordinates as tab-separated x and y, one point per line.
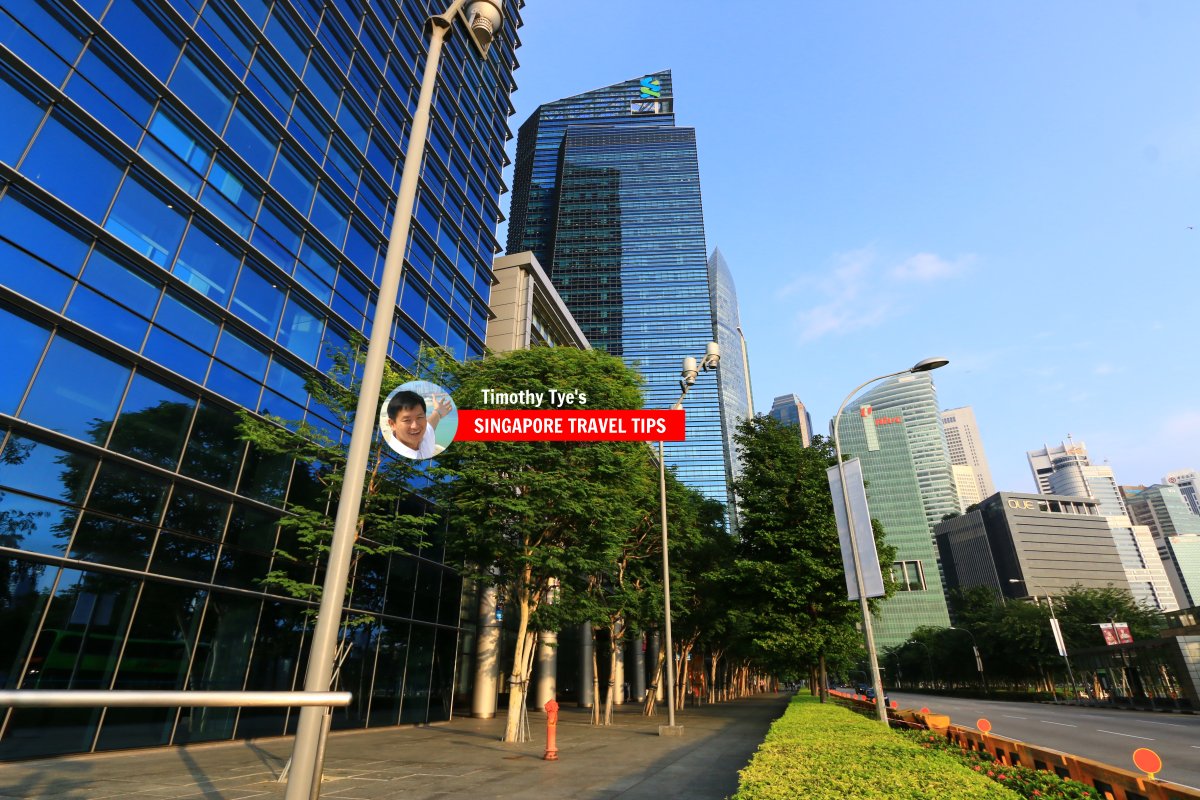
391	518
18	577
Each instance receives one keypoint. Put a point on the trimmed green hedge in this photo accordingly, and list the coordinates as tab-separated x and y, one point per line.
817	751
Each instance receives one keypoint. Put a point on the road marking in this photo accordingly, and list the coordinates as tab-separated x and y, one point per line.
1130	735
1010	716
1065	725
1168	724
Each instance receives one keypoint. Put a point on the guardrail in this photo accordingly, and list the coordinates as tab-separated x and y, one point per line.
118	698
1112	782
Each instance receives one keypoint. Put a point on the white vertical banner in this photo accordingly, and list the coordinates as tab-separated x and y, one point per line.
867	557
1058	640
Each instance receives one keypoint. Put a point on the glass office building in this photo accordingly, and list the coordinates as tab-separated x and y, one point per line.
733	377
194	202
606	193
896	431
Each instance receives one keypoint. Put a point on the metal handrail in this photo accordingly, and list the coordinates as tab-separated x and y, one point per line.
132	698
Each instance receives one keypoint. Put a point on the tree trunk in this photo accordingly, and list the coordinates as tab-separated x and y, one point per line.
712	684
652	694
518	680
823	677
610	697
595	682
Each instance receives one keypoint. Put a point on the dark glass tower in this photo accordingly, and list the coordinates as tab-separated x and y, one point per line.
737	402
193	210
607	195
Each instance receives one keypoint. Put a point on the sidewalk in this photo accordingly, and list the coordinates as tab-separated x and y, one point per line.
459	759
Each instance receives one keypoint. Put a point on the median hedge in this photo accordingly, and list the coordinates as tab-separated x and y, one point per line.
820	751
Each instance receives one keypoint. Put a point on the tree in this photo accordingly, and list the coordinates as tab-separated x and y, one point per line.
530	515
788	573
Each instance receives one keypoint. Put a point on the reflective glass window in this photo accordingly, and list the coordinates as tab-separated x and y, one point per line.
436	322
44	37
353	123
24	340
42	469
309	127
277	236
127	494
110	93
286	382
295	182
233	385
413	300
196	512
223	32
253	138
120	281
343	166
233	198
107	318
36	230
153	422
257	300
177	152
323	84
86	181
264	478
201	90
31	276
147	35
271	85
301	329
241	569
207	263
179	356
329	214
286	36
39	526
76	391
183	319
362	245
146	221
315	270
235	350
214	451
23	109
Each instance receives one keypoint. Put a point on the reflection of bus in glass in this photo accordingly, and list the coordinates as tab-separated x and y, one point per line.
64	659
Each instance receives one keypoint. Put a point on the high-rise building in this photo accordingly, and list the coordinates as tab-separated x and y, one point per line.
896	431
1163	510
1189	485
194	205
606	193
1030	545
733	376
789	410
1066	470
965	446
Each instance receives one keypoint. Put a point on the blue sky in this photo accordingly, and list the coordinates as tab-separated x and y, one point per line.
1006	184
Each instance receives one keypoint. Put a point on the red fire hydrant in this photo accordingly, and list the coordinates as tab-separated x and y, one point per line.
551	731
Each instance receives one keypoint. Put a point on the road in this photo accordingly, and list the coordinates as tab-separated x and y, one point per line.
1100	734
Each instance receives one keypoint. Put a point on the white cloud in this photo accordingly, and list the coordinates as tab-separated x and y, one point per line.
1104	368
1185	423
929	267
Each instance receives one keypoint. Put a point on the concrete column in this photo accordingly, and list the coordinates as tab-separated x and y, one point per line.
637	661
619	675
652	647
585	665
547	669
487	657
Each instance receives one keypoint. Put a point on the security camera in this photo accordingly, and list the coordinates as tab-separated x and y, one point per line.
484	18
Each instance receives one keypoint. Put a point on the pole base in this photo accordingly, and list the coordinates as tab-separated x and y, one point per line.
670	730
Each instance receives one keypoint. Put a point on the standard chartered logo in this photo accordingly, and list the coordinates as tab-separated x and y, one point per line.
651	88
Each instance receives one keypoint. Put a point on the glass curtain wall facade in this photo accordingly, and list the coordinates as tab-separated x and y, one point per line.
606	194
194	201
733	376
896	431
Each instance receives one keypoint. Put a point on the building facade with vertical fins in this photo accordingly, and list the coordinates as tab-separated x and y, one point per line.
606	194
194	205
733	377
895	429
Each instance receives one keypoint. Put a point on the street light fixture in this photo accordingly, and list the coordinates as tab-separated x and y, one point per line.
924	365
928	658
712	357
482	19
978	657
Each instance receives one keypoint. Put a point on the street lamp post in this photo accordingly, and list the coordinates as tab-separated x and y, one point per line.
868	634
928	658
712	357
978	657
1066	657
484	18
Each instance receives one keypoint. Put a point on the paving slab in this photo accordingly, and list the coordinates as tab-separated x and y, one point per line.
459	760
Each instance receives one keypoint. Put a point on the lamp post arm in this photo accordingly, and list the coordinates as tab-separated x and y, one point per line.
321	653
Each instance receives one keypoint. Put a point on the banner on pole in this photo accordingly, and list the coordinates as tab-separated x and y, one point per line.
1058	639
863	535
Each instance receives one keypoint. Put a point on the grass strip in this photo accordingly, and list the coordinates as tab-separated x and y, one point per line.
822	751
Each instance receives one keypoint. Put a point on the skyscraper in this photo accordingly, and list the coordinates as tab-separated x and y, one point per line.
194	204
1175	529
1189	484
733	377
789	410
606	193
1066	470
896	430
965	446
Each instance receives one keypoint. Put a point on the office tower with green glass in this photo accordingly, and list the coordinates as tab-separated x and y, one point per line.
895	429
